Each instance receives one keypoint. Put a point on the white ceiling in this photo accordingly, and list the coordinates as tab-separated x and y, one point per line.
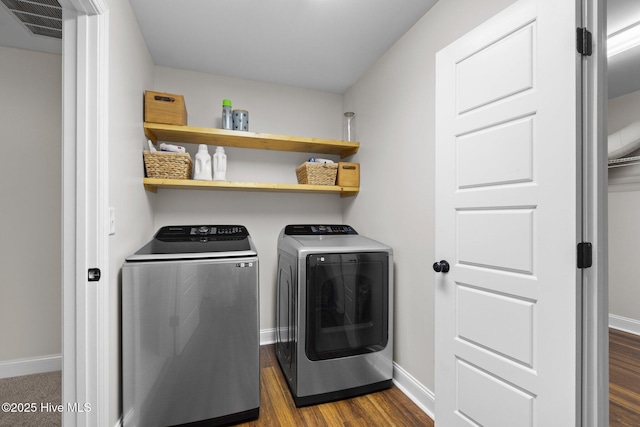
317	44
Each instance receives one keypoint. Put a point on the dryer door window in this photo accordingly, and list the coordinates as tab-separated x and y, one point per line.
347	304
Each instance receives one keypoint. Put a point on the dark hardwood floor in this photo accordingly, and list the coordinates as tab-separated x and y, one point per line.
392	408
384	408
624	379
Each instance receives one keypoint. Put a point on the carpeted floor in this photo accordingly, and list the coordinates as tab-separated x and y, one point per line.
31	400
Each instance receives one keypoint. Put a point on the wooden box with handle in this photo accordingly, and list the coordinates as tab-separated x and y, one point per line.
165	108
348	174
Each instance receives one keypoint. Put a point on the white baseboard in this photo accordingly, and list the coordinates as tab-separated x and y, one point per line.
624	324
29	366
267	336
418	393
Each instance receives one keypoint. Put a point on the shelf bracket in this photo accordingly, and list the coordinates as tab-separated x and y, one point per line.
151	188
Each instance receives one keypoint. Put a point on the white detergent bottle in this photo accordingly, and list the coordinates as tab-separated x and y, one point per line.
203	164
219	165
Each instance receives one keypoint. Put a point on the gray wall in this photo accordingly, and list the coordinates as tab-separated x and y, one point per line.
30	204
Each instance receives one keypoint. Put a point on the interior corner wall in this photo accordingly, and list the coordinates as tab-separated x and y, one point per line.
624	227
275	109
130	73
31	194
394	104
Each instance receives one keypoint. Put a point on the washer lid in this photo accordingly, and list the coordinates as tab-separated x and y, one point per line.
197	241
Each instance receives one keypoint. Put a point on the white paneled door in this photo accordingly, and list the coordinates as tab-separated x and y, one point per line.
508	221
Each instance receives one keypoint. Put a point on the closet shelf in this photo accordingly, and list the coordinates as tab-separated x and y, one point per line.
240	139
624	161
152	184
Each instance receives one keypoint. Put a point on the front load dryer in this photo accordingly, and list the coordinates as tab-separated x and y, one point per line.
334	315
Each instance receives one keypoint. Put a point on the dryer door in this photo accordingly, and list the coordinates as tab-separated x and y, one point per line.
347	304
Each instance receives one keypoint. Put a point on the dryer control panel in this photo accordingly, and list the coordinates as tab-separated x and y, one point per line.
311	230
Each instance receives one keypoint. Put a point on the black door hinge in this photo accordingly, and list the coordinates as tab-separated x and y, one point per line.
585	255
584	41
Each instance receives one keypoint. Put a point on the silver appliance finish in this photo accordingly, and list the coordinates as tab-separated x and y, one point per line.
190	332
317	381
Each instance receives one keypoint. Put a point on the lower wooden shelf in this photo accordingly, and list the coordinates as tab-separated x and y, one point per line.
152	184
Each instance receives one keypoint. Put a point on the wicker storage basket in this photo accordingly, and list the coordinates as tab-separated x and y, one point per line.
317	173
167	165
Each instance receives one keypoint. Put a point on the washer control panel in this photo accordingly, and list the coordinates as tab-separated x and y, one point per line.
219	230
188	232
311	230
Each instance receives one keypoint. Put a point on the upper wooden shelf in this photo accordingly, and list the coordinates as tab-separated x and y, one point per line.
264	141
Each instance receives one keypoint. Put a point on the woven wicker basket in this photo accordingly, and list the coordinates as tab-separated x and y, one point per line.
167	165
317	173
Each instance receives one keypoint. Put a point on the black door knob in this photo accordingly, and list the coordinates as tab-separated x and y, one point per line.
441	267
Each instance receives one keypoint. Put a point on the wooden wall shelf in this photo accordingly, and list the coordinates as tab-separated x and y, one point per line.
157	132
233	138
152	184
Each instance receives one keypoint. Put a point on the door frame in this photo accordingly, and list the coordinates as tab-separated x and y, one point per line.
85	304
595	303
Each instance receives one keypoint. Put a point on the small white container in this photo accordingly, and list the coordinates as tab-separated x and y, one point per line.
202	170
219	165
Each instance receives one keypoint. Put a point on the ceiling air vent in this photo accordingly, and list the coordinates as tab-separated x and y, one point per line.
41	17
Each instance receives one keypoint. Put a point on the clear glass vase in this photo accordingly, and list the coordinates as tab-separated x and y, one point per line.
349	126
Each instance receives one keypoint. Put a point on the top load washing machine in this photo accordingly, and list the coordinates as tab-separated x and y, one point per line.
190	332
334	315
